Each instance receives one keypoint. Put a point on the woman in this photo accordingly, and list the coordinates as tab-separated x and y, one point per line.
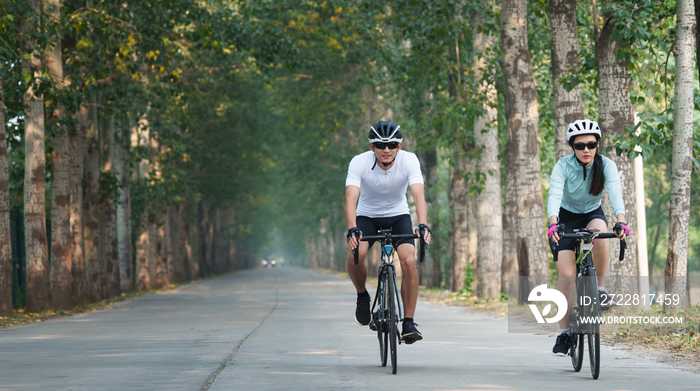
576	189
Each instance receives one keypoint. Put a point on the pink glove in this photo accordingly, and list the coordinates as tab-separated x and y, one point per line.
552	229
623	226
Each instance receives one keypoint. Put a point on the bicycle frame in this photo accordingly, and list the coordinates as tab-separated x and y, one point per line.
387	263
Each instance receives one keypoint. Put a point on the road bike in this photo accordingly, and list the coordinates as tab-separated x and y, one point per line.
386	308
586	309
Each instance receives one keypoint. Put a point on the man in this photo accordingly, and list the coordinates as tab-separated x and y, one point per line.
379	179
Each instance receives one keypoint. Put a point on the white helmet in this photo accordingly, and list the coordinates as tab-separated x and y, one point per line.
581	127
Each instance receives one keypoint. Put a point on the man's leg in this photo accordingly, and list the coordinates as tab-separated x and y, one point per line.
409	284
358	275
409	292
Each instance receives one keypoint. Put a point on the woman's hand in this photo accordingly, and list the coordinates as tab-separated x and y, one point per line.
553	234
621	230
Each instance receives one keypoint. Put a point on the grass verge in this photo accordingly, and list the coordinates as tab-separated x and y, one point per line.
21	317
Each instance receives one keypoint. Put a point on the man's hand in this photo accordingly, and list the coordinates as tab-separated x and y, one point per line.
354	236
425	233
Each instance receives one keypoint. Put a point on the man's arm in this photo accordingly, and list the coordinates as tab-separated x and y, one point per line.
418	193
352	193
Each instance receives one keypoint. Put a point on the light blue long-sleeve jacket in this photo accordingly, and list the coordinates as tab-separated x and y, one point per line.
568	190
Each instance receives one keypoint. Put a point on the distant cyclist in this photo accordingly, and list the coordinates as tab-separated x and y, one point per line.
379	178
576	189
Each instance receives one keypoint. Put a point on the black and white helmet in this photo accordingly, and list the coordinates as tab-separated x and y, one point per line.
385	132
581	127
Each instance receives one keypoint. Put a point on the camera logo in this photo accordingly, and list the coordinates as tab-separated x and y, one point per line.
542	293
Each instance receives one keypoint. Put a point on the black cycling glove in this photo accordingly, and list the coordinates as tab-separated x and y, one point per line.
354	231
422	228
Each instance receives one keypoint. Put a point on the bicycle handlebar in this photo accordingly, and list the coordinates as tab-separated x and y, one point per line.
605	235
390	236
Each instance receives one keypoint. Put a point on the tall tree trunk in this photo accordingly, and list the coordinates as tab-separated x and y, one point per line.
462	212
143	245
428	272
614	115
206	240
36	246
653	250
76	136
679	212
568	105
144	280
183	249
5	230
107	217
170	243
524	245
697	33
489	215
195	244
124	249
93	264
61	252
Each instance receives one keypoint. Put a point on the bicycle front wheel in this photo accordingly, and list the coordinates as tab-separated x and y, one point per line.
379	322
594	328
576	351
392	321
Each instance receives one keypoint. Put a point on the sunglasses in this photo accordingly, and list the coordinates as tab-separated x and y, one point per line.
382	146
581	146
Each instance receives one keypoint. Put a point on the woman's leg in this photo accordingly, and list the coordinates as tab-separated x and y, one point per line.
601	251
566	275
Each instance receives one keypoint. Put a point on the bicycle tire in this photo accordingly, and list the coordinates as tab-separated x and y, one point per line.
392	321
576	351
379	324
576	347
594	329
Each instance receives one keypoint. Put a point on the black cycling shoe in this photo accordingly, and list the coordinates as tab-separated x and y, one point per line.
561	347
362	315
410	333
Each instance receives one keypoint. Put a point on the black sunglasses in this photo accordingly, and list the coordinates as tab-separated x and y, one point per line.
391	145
581	146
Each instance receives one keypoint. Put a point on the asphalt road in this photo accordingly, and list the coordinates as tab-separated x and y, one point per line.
293	329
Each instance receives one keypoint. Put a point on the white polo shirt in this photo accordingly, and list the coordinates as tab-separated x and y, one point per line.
383	193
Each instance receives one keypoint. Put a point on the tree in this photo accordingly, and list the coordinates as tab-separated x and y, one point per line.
94	267
679	213
61	251
124	249
5	239
489	216
36	246
524	247
568	105
615	114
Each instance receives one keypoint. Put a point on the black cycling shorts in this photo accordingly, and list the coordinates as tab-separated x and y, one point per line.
400	225
573	221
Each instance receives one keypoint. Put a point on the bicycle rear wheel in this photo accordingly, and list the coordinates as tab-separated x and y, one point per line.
392	320
591	289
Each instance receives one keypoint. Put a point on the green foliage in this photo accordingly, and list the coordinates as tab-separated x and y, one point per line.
468	280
